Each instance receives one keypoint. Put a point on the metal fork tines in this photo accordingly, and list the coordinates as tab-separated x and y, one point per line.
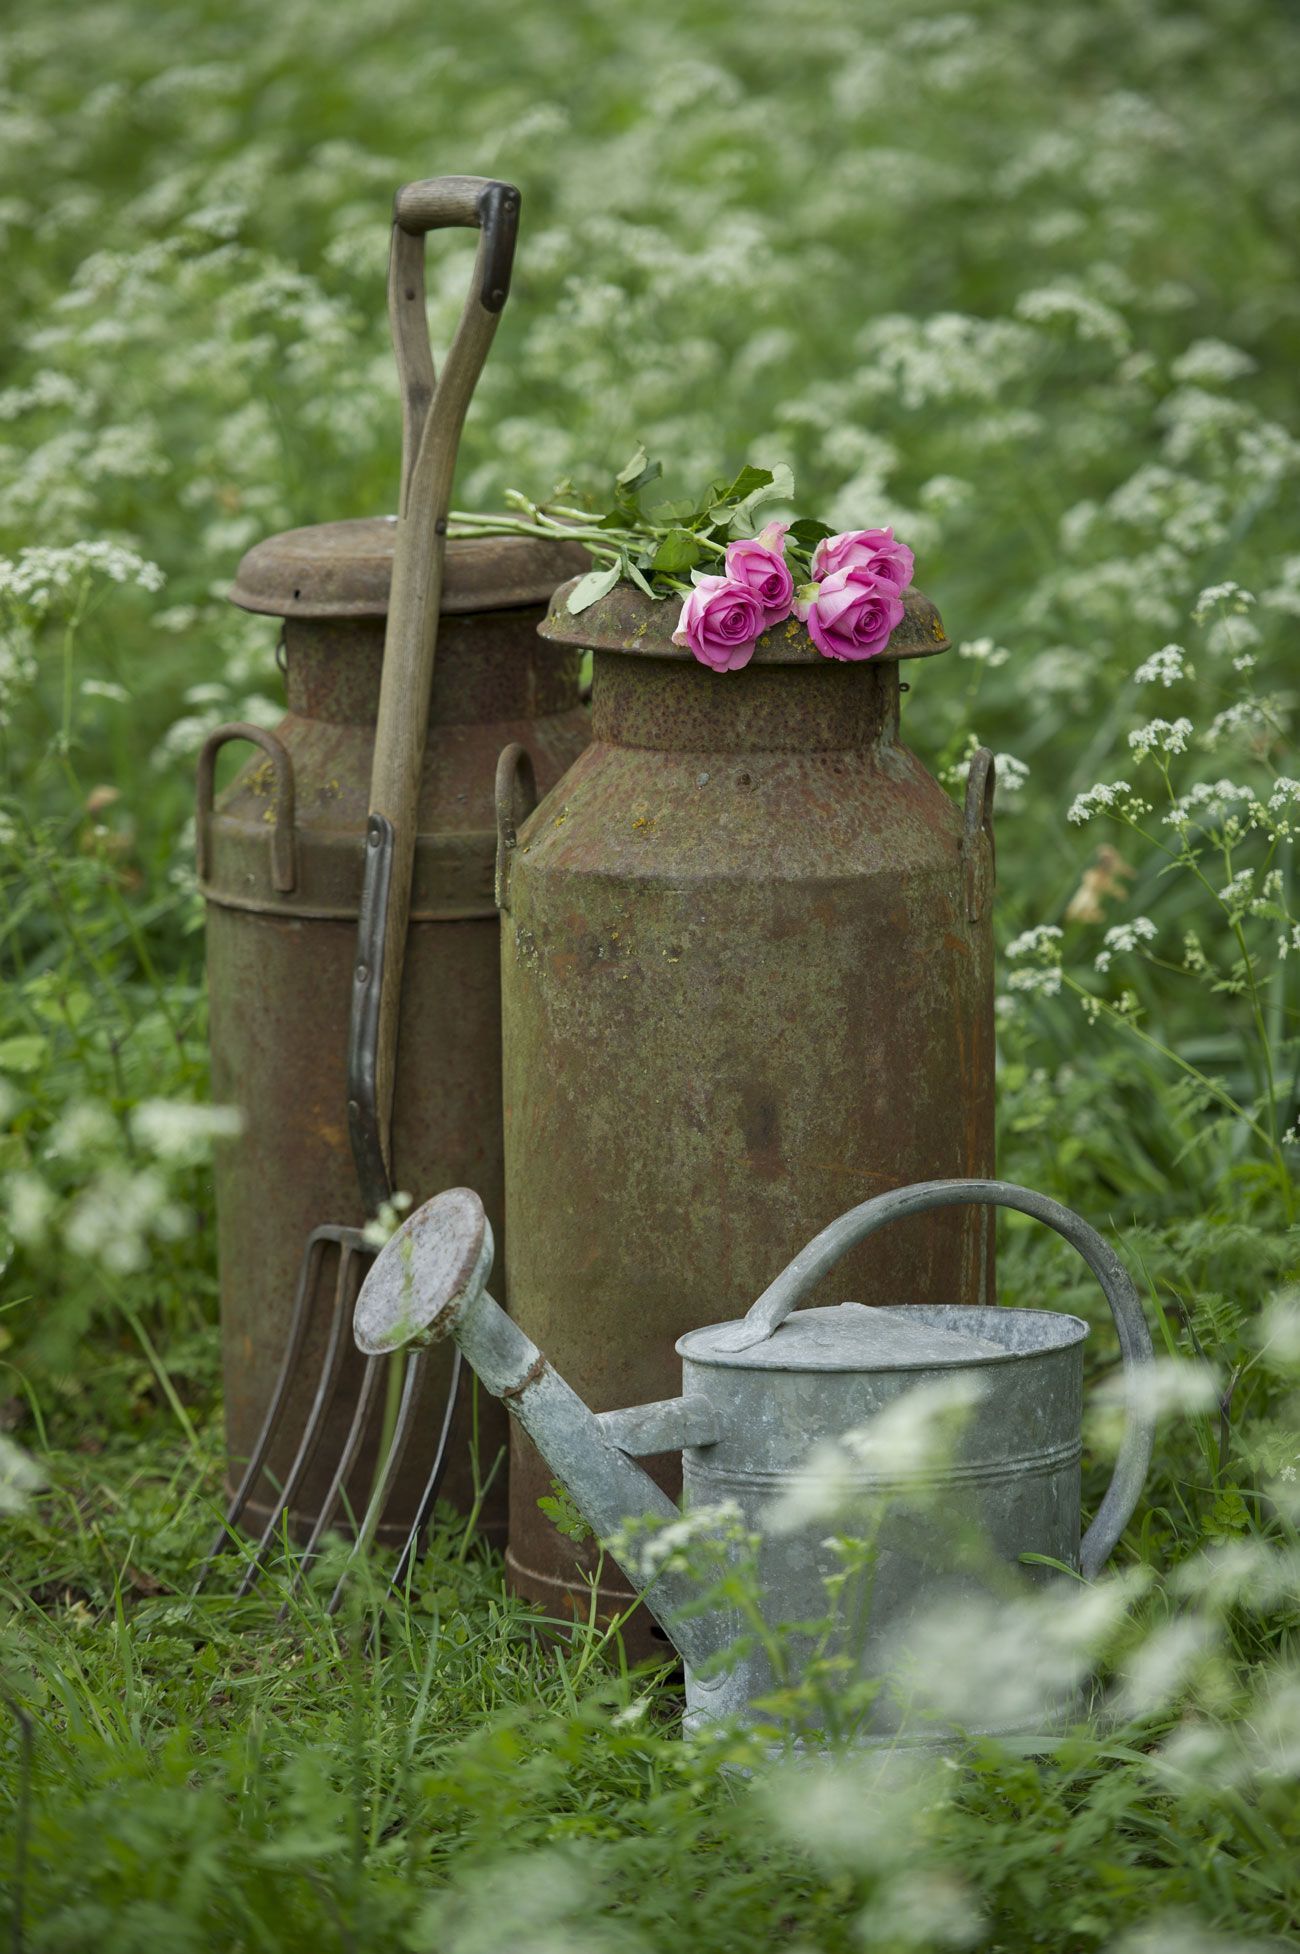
355	1256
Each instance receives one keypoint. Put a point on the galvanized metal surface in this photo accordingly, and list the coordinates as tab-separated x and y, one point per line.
1012	1481
747	979
781	1380
753	1410
429	1284
281	973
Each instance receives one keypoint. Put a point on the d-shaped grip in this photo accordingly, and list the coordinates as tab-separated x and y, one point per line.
475	203
441	203
826	1249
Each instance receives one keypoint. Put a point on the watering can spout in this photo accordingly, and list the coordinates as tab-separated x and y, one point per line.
429	1283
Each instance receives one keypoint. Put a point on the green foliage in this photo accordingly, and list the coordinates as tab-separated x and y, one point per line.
1018	280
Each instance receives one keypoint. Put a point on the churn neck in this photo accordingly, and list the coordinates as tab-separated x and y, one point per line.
648	692
648	702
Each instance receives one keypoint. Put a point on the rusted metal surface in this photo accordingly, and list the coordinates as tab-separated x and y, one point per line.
280	966
344	569
762	1396
626	620
743	987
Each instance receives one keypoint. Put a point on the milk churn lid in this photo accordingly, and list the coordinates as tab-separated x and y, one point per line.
850	1337
344	569
627	620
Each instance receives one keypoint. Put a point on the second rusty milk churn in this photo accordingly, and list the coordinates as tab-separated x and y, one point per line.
281	868
747	981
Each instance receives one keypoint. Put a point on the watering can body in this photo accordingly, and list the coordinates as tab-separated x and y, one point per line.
281	857
1008	1480
765	1398
747	978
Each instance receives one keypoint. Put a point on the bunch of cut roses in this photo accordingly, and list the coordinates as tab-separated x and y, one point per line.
850	606
850	588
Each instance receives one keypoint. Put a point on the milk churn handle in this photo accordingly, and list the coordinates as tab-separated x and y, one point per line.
825	1250
284	853
516	797
977	820
433	413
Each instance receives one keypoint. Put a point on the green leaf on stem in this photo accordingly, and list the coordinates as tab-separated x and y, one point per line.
633	469
748	482
678	551
777	485
630	481
664	513
589	589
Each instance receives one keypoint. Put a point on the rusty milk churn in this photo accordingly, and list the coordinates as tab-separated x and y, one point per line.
747	981
281	868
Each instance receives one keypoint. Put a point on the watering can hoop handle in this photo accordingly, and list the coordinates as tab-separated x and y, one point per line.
826	1249
284	853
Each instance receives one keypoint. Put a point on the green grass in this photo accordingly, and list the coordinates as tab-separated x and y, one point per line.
1020	280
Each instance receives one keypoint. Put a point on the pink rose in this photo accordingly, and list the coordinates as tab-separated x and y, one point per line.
850	614
721	622
759	563
865	549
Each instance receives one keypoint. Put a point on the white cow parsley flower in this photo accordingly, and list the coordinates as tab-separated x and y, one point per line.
1161	736
1164	667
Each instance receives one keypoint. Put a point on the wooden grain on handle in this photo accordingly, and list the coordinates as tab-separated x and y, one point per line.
416	597
440	202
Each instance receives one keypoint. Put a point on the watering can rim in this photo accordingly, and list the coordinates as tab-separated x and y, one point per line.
789	1347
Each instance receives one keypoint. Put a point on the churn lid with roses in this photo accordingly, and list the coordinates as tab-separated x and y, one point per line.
628	620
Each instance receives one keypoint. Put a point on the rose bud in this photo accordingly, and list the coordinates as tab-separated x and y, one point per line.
759	563
865	549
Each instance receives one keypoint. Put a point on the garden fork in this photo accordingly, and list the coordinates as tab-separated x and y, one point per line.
433	413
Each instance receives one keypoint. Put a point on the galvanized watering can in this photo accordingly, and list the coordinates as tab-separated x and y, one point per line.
759	1394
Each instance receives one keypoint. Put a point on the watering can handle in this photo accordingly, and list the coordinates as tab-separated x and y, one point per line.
825	1250
433	413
